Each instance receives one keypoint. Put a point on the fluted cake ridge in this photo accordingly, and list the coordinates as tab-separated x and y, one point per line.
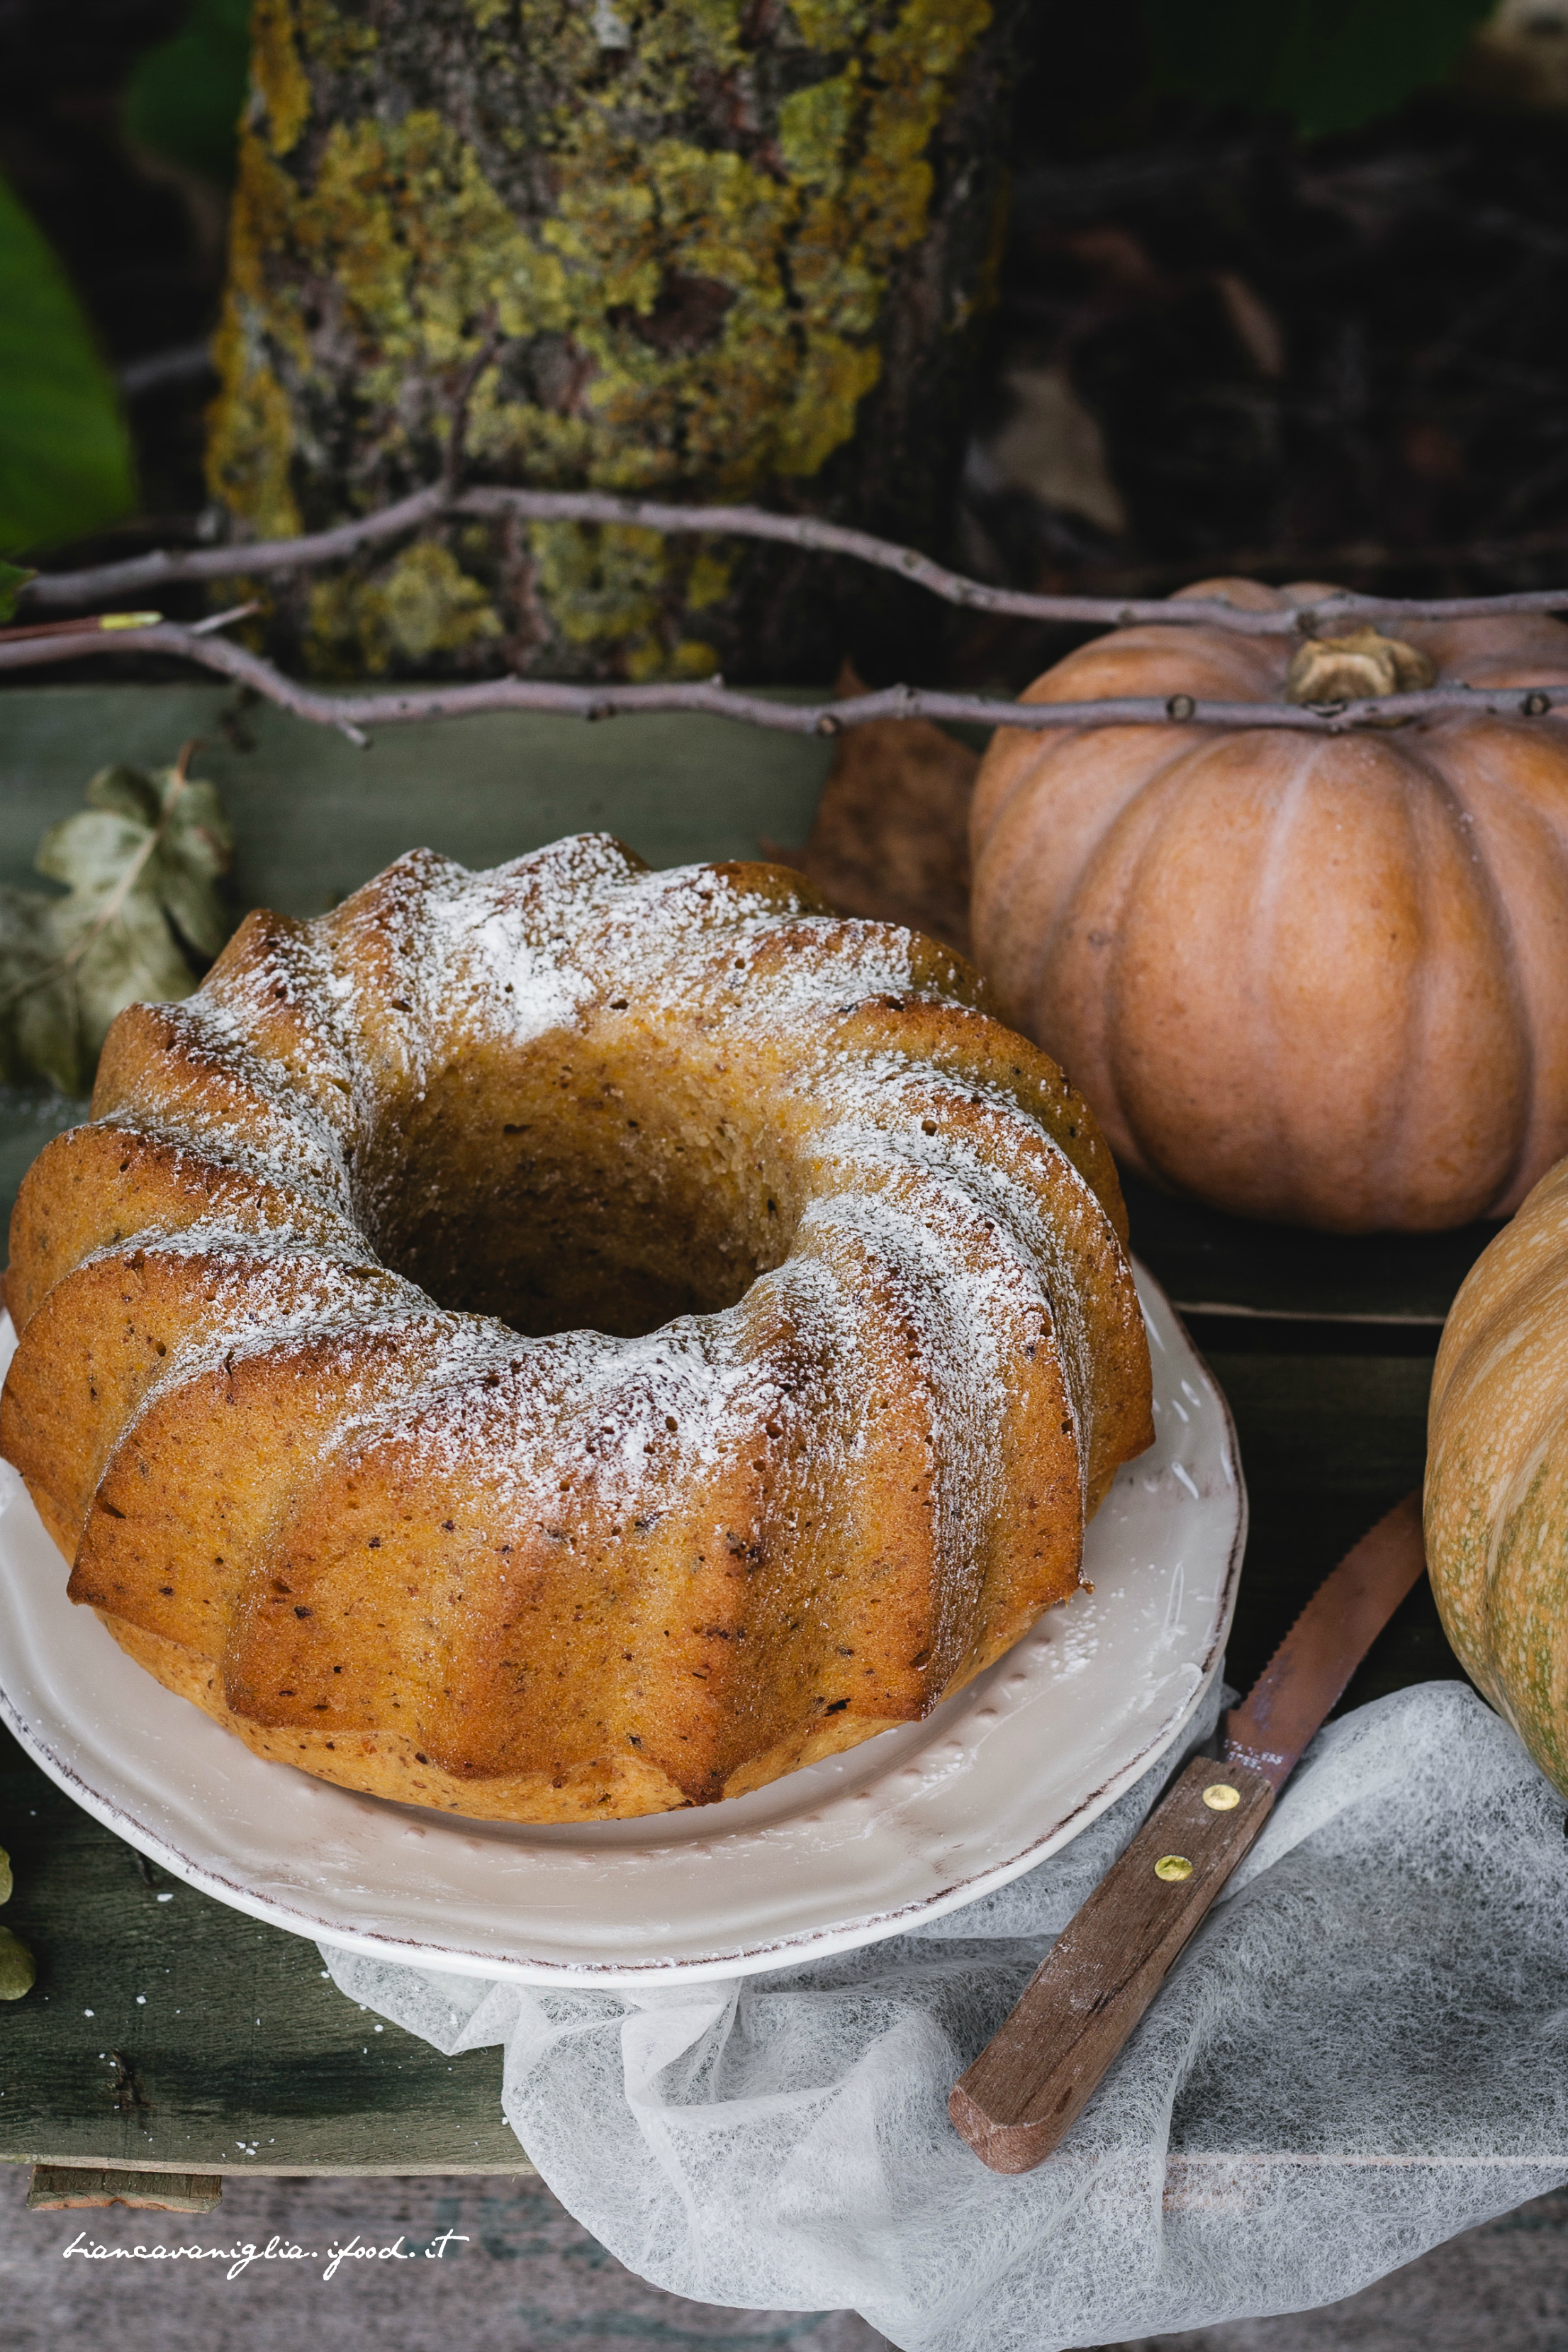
572	1339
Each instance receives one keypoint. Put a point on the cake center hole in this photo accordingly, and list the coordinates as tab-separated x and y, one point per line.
562	1195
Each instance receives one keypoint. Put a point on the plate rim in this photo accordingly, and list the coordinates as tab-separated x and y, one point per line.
450	1958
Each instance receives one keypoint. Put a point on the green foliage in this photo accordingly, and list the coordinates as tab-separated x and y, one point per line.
14	578
1328	64
184	98
141	864
64	456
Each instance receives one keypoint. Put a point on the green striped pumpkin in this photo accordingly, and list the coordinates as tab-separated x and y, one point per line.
1497	1473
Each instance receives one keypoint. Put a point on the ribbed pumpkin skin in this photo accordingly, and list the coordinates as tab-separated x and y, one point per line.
1497	1475
1318	979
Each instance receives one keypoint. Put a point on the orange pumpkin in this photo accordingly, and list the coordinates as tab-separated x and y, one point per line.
1321	979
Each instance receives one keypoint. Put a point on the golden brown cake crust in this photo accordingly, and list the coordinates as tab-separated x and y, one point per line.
572	1339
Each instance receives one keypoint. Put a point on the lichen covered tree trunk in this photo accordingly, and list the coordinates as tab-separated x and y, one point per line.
693	248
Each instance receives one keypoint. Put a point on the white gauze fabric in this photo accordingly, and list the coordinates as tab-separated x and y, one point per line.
1364	2051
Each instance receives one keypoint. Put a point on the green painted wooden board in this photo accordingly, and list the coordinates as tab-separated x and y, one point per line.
314	817
239	2055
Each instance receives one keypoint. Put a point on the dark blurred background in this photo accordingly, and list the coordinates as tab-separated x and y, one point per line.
1285	291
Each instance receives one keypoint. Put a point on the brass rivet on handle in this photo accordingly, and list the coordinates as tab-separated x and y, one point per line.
1221	1797
1173	1865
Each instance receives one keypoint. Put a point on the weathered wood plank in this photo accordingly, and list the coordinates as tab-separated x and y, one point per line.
66	2189
314	818
1328	1444
176	2033
1206	1259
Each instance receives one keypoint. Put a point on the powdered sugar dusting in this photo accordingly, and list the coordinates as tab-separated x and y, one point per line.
933	1238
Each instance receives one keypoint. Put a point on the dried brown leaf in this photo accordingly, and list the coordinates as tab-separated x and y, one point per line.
892	835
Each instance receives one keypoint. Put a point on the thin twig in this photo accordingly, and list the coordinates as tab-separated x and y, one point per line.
214	621
351	713
91	621
138	571
817	537
978	595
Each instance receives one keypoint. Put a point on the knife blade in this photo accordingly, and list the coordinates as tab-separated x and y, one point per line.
1023	2093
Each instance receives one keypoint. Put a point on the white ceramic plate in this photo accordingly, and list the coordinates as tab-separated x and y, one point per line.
913	1823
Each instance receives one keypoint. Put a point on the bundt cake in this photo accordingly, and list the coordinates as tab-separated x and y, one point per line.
572	1340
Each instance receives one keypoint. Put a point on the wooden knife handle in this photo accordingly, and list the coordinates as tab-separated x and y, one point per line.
1020	2097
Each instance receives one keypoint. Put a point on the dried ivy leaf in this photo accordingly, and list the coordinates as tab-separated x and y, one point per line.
892	835
140	917
18	1969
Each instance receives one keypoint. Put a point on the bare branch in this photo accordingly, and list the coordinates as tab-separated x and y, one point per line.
804	531
351	713
978	595
157	569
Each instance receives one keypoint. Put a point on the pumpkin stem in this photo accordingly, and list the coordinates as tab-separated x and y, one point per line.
1344	669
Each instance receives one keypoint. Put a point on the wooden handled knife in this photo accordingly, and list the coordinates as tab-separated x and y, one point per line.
1024	2090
